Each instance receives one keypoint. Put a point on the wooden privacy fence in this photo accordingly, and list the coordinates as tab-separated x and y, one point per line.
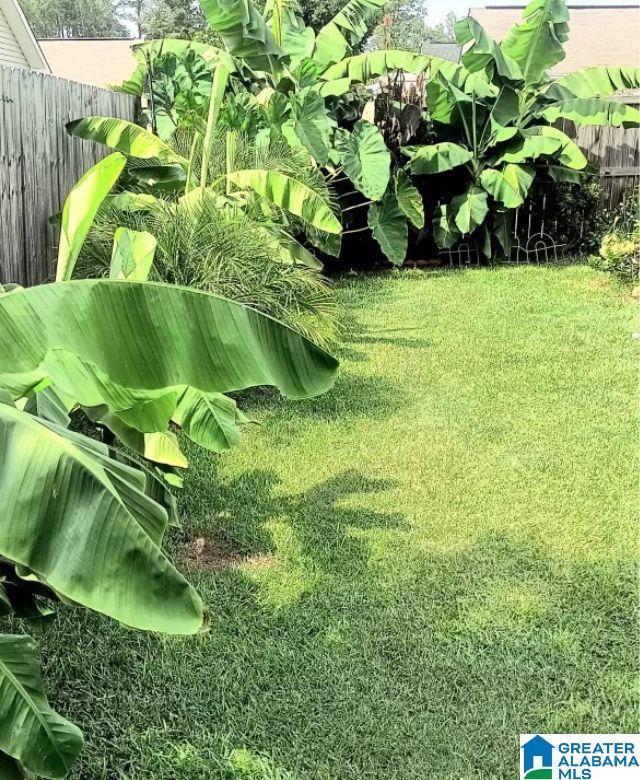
40	162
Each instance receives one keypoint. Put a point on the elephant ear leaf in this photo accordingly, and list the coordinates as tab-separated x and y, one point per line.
312	126
81	207
287	193
445	231
409	199
125	137
347	28
365	158
509	185
243	30
30	731
132	255
536	43
10	768
437	158
470	209
389	227
594	82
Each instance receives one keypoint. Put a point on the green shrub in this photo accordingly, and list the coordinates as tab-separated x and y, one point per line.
620	248
223	252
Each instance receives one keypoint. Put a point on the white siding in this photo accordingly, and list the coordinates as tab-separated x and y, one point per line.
10	51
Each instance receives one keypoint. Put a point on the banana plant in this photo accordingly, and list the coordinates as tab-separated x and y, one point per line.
277	89
493	135
81	521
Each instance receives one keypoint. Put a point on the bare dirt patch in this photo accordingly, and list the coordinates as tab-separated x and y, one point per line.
204	553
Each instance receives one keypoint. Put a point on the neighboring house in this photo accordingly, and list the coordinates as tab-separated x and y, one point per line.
598	34
103	62
446	50
18	47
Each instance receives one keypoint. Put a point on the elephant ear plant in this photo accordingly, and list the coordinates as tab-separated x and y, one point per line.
82	521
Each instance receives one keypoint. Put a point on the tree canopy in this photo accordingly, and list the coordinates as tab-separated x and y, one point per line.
74	18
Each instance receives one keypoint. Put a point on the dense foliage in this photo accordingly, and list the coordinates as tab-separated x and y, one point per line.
470	151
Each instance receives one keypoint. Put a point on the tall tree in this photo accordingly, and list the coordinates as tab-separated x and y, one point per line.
173	18
132	12
405	25
74	18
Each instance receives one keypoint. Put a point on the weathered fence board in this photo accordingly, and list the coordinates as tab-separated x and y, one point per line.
40	162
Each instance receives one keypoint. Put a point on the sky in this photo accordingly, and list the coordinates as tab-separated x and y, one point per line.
438	9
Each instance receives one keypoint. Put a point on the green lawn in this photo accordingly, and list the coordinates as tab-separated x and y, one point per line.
441	553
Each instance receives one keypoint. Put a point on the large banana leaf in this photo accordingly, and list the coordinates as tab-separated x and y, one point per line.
409	199
212	55
30	731
592	111
93	337
365	158
366	67
125	137
594	82
81	207
288	29
243	30
437	158
508	185
529	148
568	152
449	105
389	227
347	28
74	517
289	194
483	50
536	44
470	209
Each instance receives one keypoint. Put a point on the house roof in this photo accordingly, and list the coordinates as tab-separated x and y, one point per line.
447	50
103	62
11	11
598	34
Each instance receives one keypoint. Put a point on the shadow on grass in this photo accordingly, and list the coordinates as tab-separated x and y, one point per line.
352	395
385	664
237	512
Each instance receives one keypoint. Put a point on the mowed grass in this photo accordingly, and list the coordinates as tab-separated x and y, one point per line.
440	553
